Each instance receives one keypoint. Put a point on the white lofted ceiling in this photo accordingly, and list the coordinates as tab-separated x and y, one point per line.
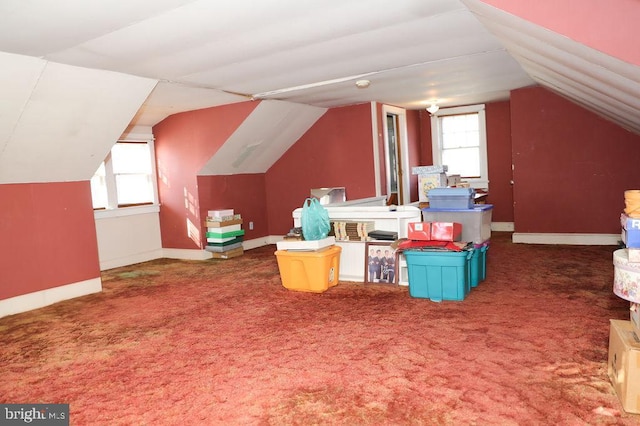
117	65
210	52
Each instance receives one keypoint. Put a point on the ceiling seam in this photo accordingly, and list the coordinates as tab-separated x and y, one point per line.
23	108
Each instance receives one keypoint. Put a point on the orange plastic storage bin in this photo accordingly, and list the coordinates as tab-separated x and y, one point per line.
313	271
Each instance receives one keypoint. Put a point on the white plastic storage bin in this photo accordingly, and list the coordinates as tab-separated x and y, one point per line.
476	222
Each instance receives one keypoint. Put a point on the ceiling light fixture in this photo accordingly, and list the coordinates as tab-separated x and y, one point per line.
433	109
362	84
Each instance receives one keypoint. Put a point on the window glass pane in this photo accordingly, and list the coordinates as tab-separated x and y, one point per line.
460	131
459	142
99	188
131	158
134	189
462	161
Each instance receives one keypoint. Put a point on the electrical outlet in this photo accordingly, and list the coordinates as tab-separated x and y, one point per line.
250	226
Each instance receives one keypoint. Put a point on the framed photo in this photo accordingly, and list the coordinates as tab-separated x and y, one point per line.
380	263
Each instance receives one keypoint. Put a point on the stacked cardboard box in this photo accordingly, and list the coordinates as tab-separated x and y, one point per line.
624	337
224	234
626	261
432	177
624	364
429	177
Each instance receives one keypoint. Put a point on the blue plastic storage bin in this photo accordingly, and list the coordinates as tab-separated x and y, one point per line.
451	198
439	275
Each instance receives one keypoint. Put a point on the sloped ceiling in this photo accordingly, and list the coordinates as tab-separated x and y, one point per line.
58	122
414	52
204	53
262	138
603	84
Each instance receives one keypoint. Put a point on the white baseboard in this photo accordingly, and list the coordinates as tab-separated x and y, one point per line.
42	298
185	254
197	254
502	226
263	241
571	239
131	259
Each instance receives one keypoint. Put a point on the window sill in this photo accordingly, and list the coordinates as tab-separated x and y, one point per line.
477	183
125	211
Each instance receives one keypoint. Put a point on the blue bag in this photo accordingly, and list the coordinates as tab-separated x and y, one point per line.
315	220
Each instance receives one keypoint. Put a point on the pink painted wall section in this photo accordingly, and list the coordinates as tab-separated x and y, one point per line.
615	22
335	151
498	124
415	151
244	193
48	237
571	166
382	164
184	144
426	153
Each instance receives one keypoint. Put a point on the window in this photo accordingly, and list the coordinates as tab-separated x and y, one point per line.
126	177
460	143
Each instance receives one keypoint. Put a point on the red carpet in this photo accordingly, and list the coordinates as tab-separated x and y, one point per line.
222	342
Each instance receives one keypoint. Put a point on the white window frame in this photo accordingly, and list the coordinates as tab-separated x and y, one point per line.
436	137
112	209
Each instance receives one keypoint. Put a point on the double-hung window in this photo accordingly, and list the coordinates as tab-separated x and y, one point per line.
126	177
459	141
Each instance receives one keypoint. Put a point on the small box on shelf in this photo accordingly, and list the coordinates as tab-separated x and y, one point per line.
429	181
630	231
420	231
446	231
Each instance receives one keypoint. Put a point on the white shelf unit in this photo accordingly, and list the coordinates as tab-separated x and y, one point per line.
352	257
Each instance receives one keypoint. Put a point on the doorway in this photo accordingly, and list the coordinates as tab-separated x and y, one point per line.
395	150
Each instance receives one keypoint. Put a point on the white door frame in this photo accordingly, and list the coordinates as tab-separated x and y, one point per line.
403	159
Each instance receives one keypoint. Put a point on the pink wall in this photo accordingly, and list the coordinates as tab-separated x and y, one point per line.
48	237
610	27
415	150
565	158
244	193
426	153
498	122
184	144
571	166
382	164
335	151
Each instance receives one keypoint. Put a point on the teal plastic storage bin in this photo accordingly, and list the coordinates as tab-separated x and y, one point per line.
439	275
478	270
483	263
